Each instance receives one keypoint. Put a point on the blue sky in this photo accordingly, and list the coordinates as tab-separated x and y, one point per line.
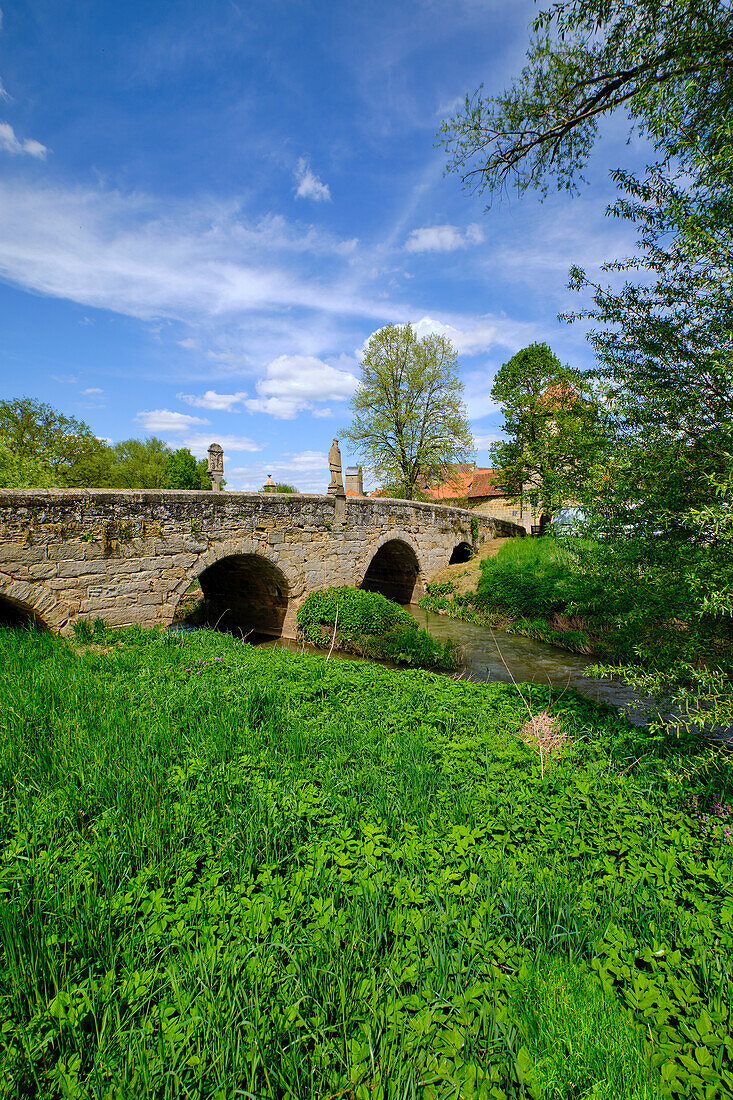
206	209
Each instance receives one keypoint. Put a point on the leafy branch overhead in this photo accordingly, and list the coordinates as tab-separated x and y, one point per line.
668	65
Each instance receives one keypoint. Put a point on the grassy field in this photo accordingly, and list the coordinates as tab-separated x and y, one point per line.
236	872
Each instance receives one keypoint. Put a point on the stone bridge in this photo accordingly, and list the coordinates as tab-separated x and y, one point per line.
130	556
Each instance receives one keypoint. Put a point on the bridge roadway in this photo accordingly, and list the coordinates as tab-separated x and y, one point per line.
130	556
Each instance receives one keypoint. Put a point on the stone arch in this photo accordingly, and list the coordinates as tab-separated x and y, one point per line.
394	568
460	553
22	603
244	590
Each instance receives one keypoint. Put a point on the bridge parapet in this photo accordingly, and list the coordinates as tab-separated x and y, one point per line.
128	556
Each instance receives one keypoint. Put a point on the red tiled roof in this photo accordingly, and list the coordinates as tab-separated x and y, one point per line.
559	395
484	484
464	481
353	493
457	484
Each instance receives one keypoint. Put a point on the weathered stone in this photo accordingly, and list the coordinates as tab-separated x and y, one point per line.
129	556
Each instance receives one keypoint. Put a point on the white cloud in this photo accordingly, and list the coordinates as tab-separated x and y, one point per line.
4	94
198	261
293	382
9	143
91	390
189	343
309	185
473	335
470	336
442	238
477	393
483	440
223	402
322	413
199	444
163	420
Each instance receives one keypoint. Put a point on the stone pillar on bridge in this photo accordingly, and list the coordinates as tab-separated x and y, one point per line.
216	466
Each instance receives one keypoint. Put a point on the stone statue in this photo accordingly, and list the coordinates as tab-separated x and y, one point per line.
216	466
334	463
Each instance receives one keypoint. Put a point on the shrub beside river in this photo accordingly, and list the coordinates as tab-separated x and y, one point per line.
230	871
370	625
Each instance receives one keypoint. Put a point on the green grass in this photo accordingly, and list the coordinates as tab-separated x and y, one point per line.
533	587
236	872
528	577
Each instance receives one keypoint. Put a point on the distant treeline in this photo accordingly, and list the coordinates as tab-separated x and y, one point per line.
41	447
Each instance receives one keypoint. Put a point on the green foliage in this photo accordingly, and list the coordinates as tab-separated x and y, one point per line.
554	428
665	65
283	487
664	340
409	418
182	471
139	464
528	576
225	868
445	588
370	624
41	447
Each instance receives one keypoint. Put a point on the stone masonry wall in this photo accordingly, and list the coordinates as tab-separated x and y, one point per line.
129	556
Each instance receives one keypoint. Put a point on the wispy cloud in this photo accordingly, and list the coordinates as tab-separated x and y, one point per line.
163	420
16	146
91	390
309	185
443	238
198	261
223	402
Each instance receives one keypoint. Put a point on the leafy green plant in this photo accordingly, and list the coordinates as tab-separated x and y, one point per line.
270	873
370	624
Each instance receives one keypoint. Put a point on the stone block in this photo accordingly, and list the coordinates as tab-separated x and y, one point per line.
150	598
67	551
84	568
42	571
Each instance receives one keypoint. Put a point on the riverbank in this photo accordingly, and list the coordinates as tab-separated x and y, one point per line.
516	566
243	869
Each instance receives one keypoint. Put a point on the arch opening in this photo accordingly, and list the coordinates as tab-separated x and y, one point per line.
393	571
15	614
243	594
460	554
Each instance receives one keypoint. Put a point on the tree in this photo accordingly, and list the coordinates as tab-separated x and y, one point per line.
555	427
409	418
182	471
660	510
43	447
667	64
139	464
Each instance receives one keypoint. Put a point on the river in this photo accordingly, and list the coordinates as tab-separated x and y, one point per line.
486	654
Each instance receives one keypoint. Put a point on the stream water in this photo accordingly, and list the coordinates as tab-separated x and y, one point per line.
487	654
